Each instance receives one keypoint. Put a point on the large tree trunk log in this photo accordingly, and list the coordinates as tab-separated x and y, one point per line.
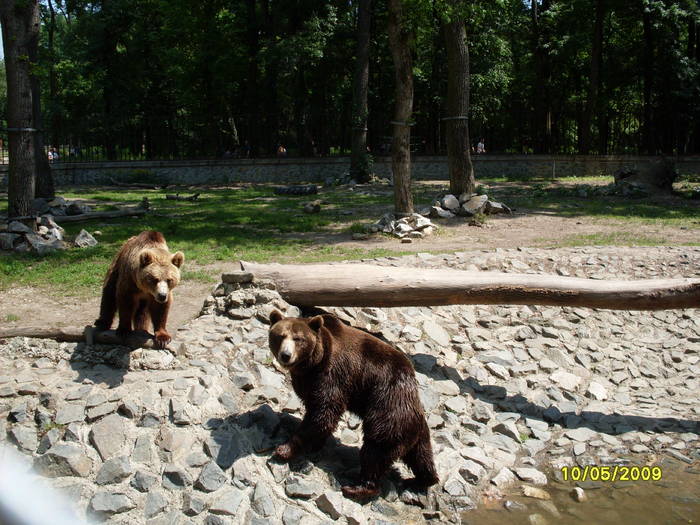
74	334
387	286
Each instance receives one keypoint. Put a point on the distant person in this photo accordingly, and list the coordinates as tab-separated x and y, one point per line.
480	147
281	151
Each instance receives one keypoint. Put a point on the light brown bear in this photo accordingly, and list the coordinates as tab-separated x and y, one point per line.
334	368
139	285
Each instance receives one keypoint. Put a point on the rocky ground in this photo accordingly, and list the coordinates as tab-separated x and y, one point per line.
512	393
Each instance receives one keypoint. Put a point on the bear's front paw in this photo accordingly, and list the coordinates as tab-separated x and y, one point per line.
285	452
360	492
162	339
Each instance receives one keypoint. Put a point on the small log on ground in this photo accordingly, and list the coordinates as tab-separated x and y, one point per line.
88	334
127	212
178	197
389	286
140	185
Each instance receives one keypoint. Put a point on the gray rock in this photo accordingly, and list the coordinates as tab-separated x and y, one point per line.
300	488
450	202
70	413
85	240
263	502
237	277
437	333
108	436
192	504
581	434
439	212
25	438
503	478
114	470
566	380
49	440
474	205
508	428
156	502
472	472
143	481
18	227
111	502
227	501
211	478
176	478
531	475
596	391
64	459
7	240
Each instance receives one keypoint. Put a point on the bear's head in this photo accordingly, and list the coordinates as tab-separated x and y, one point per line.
159	272
295	342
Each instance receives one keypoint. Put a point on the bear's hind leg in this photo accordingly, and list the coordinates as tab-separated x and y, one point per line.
420	460
108	303
375	460
127	306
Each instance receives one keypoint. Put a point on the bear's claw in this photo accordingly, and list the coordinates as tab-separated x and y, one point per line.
360	492
162	339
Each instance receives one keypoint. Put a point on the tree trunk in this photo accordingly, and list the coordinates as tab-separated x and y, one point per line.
20	27
253	44
400	38
388	286
585	138
44	178
457	121
359	162
648	77
542	125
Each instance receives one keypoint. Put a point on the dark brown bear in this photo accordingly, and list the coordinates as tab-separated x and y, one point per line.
138	285
335	368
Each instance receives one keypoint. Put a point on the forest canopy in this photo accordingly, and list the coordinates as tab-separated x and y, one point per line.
182	79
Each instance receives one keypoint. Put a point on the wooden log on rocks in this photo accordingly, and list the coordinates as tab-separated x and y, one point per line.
389	286
88	334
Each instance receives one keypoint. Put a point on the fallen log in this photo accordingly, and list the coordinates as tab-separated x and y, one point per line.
139	185
388	286
178	197
88	334
127	212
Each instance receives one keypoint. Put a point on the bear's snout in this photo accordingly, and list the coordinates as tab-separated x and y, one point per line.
285	356
287	352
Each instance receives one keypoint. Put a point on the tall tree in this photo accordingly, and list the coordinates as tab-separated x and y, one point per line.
20	28
400	39
585	135
457	121
542	101
359	160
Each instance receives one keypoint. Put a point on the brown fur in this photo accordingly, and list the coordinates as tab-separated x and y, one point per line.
131	286
337	368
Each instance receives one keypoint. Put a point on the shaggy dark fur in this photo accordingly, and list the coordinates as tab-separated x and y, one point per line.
339	368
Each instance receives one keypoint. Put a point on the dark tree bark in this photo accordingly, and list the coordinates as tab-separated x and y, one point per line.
53	80
253	41
648	78
20	27
542	100
400	38
44	178
585	138
457	124
359	165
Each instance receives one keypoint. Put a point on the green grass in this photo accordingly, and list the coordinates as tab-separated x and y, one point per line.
11	317
223	225
254	224
618	238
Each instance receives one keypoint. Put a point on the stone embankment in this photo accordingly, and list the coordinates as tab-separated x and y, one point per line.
512	394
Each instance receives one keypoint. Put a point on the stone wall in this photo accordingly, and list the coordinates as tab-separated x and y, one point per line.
295	170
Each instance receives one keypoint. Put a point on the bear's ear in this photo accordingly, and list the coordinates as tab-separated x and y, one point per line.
315	323
146	257
178	259
275	316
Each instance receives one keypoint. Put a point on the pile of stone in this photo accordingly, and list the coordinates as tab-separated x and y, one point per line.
58	206
511	393
48	237
466	205
415	226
